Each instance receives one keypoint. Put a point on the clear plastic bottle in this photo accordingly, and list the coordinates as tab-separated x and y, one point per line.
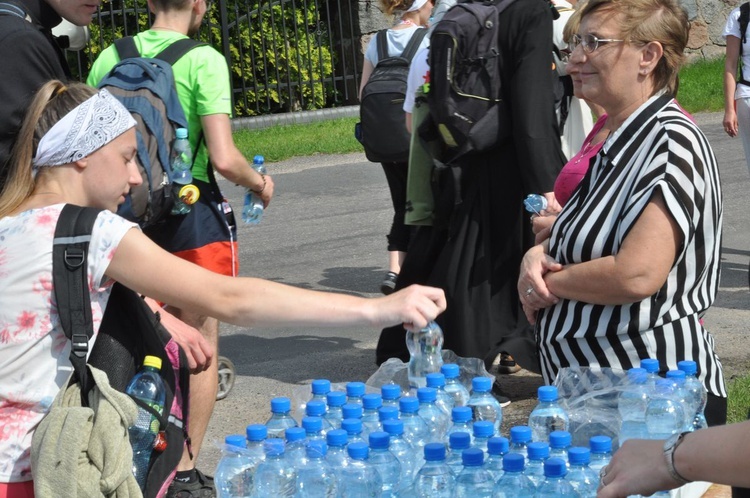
252	210
403	451
181	162
354	392
554	484
437	420
390	394
317	408
425	353
353	428
538	453
359	478
281	418
547	416
631	404
651	366
234	474
601	452
370	418
274	476
320	389
664	416
387	413
683	397
148	387
296	441
315	477
520	437
385	462
483	404
434	479
337	456
453	385
483	431
334	415
313	429
474	481
444	400
416	431
697	392
462	417
255	435
457	442
352	410
513	483
583	479
559	442
535	203
497	448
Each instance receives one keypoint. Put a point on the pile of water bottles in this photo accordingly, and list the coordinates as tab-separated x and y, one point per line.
443	440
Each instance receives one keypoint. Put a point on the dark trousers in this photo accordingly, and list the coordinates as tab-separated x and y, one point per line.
400	234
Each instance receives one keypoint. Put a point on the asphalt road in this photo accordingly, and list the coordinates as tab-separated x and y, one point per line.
325	230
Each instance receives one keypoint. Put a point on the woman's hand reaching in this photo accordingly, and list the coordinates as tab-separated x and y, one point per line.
415	306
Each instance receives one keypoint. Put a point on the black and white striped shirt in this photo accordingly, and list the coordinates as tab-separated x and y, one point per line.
658	149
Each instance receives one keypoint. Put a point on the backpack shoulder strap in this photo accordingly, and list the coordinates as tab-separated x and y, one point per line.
744	20
70	283
381	40
413	45
175	51
126	48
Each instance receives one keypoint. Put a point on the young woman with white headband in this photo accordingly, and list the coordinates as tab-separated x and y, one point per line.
78	146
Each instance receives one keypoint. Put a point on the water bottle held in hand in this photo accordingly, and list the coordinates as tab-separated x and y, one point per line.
535	203
252	210
425	353
181	161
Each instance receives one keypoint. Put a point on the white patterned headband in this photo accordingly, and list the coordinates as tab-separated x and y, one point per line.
418	4
91	125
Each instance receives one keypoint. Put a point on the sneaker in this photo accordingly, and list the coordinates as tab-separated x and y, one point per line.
507	365
389	283
200	487
499	394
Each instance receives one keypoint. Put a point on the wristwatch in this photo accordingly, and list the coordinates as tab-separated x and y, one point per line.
670	445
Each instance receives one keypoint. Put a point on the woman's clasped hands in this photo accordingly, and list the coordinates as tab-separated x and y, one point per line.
532	287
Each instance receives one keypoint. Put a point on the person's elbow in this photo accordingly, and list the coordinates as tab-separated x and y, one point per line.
228	162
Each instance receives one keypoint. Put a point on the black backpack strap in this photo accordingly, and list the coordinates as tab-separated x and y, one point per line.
70	283
126	48
744	21
175	51
416	40
381	41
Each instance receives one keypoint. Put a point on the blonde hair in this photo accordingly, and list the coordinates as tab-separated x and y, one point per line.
645	21
51	103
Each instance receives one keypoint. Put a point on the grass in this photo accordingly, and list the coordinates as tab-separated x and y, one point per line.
739	398
702	86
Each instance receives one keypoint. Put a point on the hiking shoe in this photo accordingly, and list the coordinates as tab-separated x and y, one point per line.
200	487
507	365
389	283
499	394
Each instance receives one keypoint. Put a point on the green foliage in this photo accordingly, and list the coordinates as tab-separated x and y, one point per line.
738	400
702	86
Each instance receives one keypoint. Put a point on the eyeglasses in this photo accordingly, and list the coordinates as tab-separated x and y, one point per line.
590	42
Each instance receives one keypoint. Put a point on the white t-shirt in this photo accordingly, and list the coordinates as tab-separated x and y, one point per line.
34	351
397	41
732	28
419	74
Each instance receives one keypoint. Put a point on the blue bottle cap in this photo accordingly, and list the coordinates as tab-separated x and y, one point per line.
352	426
337	437
472	457
637	375
315	409
390	391
379	440
355	389
461	414
560	439
237	440
394	427
372	401
408	404
352	410
426	394
387	413
273	447
600	444
358	451
293	434
481	384
435	380
484	428
676	374
520	434
555	467
579	455
538	450
514	462
497	445
450	370
434	452
316	449
459	440
336	398
281	405
258	159
321	386
547	394
256	432
312	424
651	365
688	366
181	133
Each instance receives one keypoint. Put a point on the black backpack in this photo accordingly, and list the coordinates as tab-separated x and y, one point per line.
383	128
744	21
128	332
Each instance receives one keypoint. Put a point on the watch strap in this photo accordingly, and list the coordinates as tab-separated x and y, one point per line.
669	448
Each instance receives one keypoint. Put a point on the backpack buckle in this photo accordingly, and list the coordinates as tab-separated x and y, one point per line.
79	345
74	257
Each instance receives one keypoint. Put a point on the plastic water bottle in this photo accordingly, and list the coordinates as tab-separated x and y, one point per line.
281	418
337	456
683	397
334	415
385	462
234	474
353	428
317	408
320	389
664	416
437	420
425	353
535	203
483	431
315	477
483	404
255	435
181	162
359	478
497	448
352	410
457	443
148	387
403	451
434	479
513	483
313	428
370	418
444	400
520	437
651	366
697	392
390	394
601	452
462	421
252	211
474	481
538	453
354	392
559	442
416	431
274	476
296	442
583	479
453	385
631	404
555	485
547	416
387	413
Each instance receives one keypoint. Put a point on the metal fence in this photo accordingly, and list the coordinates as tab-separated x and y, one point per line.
284	55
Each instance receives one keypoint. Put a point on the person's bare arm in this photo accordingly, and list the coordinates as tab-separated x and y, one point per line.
730	73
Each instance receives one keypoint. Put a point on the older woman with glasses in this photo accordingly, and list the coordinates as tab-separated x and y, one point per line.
632	262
